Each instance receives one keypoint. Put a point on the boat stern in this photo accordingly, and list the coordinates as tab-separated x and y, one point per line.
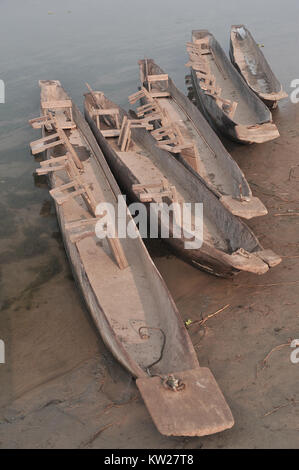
187	403
257	134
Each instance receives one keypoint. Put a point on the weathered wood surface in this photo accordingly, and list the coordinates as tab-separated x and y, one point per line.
203	150
251	63
223	233
250	121
197	410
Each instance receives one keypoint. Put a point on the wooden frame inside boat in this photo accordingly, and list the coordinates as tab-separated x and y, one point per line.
194	142
251	63
125	294
227	102
228	246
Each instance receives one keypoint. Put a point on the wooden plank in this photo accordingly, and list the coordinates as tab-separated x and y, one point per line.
45	139
122	129
83	222
190	154
39	122
70	148
125	136
198	410
110	132
160	94
136	96
75	238
56	104
97	103
66	197
233	109
104	112
45	170
42	148
54	160
154	78
63	187
141	187
118	252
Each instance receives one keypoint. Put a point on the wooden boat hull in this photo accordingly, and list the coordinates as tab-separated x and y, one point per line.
208	257
216	168
251	63
252	121
115	315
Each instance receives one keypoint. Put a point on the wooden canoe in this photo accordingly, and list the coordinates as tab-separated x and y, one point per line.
251	63
196	144
229	246
125	294
229	105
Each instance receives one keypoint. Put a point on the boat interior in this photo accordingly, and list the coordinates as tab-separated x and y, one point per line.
248	110
148	163
252	63
130	293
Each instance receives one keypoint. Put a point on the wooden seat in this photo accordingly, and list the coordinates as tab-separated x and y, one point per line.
156	78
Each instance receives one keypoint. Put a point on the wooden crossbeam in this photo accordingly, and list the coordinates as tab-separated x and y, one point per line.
69	147
140	187
190	154
96	99
148	192
200	49
52	164
123	135
152	117
148	107
83	222
139	123
198	65
41	121
81	188
158	196
161	132
41	145
114	112
155	78
125	131
108	111
118	252
232	109
149	95
136	96
66	197
58	138
160	94
56	104
110	132
46	170
173	149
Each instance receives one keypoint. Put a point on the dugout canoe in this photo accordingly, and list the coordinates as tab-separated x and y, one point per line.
148	173
249	60
194	142
123	290
229	105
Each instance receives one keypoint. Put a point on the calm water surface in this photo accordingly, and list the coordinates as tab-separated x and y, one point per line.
99	42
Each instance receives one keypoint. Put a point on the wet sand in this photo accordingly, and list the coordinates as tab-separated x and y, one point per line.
62	388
